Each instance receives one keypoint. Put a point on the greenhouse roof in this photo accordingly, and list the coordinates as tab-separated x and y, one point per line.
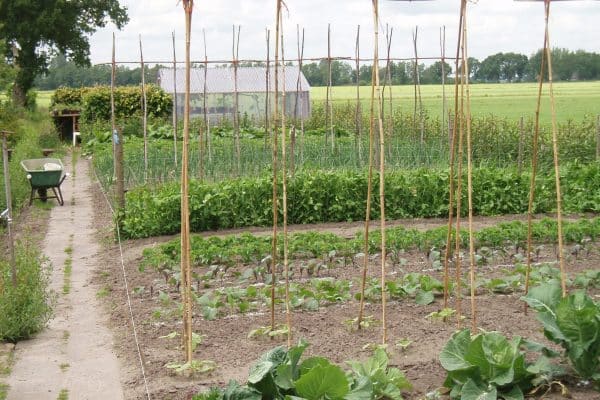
221	80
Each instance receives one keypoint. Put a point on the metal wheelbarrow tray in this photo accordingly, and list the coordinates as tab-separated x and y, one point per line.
44	174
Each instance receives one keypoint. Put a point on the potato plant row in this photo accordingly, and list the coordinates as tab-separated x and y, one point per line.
319	196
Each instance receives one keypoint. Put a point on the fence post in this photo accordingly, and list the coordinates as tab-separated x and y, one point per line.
521	135
7	214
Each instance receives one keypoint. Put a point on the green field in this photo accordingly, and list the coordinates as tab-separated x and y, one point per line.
574	100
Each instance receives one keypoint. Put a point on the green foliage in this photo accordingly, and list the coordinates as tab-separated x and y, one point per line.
573	322
31	133
94	102
25	308
280	373
321	196
53	25
485	366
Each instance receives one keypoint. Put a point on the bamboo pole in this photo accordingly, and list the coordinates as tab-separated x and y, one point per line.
329	112
304	101
388	77
144	112
174	102
8	194
206	118
358	110
534	159
381	174
520	150
288	313
598	138
417	83
443	60
117	137
369	196
297	103
236	100
561	262
186	273
461	130
267	90
465	73
453	139
275	166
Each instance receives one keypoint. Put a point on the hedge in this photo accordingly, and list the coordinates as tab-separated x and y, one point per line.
94	102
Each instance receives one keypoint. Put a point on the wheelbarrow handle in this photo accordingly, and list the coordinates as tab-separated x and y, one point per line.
63	178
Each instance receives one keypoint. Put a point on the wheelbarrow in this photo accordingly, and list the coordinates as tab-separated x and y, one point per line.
44	174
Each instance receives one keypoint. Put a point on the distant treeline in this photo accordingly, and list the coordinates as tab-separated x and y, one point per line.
500	67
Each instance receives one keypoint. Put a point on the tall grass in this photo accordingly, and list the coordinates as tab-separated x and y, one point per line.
32	133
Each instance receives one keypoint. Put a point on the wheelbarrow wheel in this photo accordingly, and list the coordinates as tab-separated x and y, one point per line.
43	194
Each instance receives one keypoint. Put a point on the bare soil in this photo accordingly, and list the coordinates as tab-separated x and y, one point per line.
226	339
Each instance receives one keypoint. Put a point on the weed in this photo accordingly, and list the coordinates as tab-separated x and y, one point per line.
63	395
68	269
104	292
25	308
64	367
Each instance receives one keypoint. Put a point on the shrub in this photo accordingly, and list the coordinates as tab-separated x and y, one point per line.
25	308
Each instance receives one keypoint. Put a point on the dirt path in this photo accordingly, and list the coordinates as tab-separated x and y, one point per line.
73	357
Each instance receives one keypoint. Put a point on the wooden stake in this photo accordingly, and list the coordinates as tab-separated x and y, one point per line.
598	138
443	55
561	262
8	194
388	77
206	118
275	207
329	112
144	112
236	100
174	102
374	70
300	96
417	83
521	138
117	137
267	90
358	110
534	159
453	137
186	273
381	170
288	313
465	73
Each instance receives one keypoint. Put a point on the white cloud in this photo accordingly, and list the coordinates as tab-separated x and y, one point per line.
494	26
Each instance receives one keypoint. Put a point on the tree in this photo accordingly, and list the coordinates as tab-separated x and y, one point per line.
433	73
36	29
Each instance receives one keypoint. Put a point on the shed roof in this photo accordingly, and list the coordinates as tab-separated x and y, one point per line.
221	80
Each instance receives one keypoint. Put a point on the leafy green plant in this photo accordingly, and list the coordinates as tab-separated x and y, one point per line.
572	322
280	373
25	308
485	366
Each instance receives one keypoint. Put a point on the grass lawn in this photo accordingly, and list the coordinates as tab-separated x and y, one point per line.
574	100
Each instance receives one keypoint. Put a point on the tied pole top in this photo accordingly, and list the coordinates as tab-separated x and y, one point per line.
188	5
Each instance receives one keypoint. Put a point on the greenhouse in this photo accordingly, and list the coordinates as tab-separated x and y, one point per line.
221	86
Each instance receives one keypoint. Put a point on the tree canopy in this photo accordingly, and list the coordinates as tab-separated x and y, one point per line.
35	30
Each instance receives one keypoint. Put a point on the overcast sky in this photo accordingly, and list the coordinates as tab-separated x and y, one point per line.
493	26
